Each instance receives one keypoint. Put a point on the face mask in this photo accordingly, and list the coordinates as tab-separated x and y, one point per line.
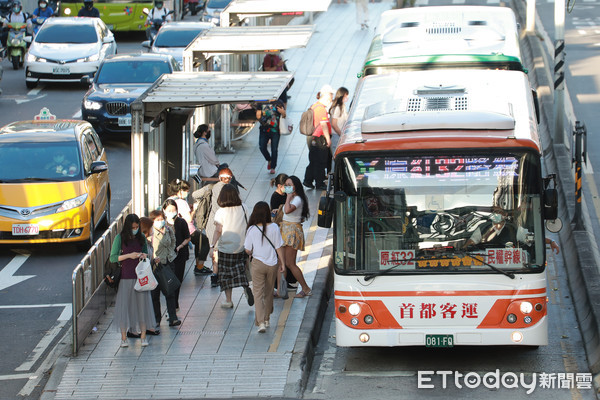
170	215
288	189
17	9
159	224
135	231
496	218
184	195
43	5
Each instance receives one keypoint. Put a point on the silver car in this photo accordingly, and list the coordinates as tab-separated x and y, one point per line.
174	37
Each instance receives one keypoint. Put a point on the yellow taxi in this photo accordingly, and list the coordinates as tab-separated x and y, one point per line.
53	182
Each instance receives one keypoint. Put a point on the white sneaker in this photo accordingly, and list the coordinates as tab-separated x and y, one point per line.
124	343
145	342
262	328
267	324
227	304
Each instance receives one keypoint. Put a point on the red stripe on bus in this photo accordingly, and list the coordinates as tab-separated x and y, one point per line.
429	293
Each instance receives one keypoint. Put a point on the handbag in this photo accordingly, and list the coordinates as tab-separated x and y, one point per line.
145	278
278	215
167	281
283	127
282	289
113	277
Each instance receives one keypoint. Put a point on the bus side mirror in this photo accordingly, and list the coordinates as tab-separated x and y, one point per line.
550	204
325	213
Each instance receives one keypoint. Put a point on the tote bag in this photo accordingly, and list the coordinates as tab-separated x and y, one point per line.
283	127
145	278
167	281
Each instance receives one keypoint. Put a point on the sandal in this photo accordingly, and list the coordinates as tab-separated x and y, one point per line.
304	294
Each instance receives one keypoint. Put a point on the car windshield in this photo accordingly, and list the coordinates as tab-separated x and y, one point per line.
57	33
132	71
444	212
39	161
217	3
176	38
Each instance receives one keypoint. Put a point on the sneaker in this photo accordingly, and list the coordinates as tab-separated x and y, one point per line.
267	324
177	322
124	343
227	304
249	295
203	271
308	185
262	328
272	171
214	281
145	342
133	335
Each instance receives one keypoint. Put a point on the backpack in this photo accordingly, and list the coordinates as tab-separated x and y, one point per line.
307	120
203	207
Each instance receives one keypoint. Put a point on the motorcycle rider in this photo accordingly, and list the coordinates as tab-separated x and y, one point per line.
88	10
16	15
43	12
159	11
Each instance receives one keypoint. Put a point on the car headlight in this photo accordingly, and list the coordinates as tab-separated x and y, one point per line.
91	105
92	58
73	203
33	58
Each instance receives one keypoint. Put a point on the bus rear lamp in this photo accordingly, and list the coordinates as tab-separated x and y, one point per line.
512	318
516	336
354	309
539	307
364	337
526	307
354	321
342	309
368	319
527	319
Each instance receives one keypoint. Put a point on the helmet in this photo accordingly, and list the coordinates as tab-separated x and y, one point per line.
16	6
44	2
158	3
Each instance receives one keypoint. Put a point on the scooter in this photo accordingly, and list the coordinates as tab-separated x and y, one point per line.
155	25
16	45
37	24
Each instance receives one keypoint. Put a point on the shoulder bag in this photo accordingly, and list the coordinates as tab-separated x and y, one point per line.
282	289
112	277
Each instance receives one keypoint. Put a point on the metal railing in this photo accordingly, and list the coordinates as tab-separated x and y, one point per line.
91	296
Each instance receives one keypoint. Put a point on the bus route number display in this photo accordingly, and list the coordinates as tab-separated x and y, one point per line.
396	258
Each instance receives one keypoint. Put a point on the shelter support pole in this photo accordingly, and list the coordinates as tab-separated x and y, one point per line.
559	75
530	20
579	158
138	192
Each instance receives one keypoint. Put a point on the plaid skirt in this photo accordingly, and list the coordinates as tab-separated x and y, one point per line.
232	270
292	234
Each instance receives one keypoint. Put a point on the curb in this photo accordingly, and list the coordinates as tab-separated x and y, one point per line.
582	270
310	329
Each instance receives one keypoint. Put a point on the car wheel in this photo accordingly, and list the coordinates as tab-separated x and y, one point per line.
30	84
106	220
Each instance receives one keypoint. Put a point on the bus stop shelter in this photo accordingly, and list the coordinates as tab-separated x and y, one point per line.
160	129
235	42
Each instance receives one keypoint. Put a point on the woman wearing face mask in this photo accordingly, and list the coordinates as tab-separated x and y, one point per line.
339	116
133	309
318	151
296	212
163	242
206	158
182	238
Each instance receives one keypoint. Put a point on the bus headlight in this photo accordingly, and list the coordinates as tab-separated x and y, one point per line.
539	307
342	309
368	319
354	309
526	307
516	336
354	321
512	318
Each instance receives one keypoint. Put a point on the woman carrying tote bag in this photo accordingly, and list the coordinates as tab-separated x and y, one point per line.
263	242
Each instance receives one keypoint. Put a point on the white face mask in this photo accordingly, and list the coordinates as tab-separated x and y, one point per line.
288	189
496	218
170	215
159	224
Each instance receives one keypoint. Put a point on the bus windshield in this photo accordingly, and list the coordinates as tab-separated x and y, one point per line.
458	213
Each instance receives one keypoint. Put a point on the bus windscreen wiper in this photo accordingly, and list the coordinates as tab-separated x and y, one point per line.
476	257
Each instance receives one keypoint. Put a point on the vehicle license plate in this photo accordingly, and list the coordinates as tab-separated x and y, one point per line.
439	341
124	121
61	70
25	229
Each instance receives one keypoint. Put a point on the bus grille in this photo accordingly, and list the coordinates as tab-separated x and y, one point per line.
457	103
443	30
117	108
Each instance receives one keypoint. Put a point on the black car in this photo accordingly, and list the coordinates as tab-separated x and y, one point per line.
119	81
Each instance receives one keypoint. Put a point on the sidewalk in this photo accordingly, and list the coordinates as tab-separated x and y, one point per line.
217	352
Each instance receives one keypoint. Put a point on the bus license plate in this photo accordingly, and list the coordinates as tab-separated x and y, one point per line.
439	341
61	70
124	121
25	229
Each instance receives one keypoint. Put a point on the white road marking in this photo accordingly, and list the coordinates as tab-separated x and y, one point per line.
15	376
41	347
35	91
7	278
27	99
64	316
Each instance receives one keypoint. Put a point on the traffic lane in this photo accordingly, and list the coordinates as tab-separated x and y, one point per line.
353	373
118	153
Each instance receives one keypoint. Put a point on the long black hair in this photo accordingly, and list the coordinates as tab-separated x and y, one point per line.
338	100
300	192
127	234
261	214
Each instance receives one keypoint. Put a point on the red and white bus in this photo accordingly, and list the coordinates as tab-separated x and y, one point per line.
438	203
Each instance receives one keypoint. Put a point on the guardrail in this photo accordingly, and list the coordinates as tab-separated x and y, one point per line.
91	296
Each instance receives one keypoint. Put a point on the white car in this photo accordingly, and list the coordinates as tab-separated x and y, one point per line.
67	49
173	38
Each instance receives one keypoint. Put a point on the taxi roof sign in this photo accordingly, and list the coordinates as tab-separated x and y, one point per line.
44	115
